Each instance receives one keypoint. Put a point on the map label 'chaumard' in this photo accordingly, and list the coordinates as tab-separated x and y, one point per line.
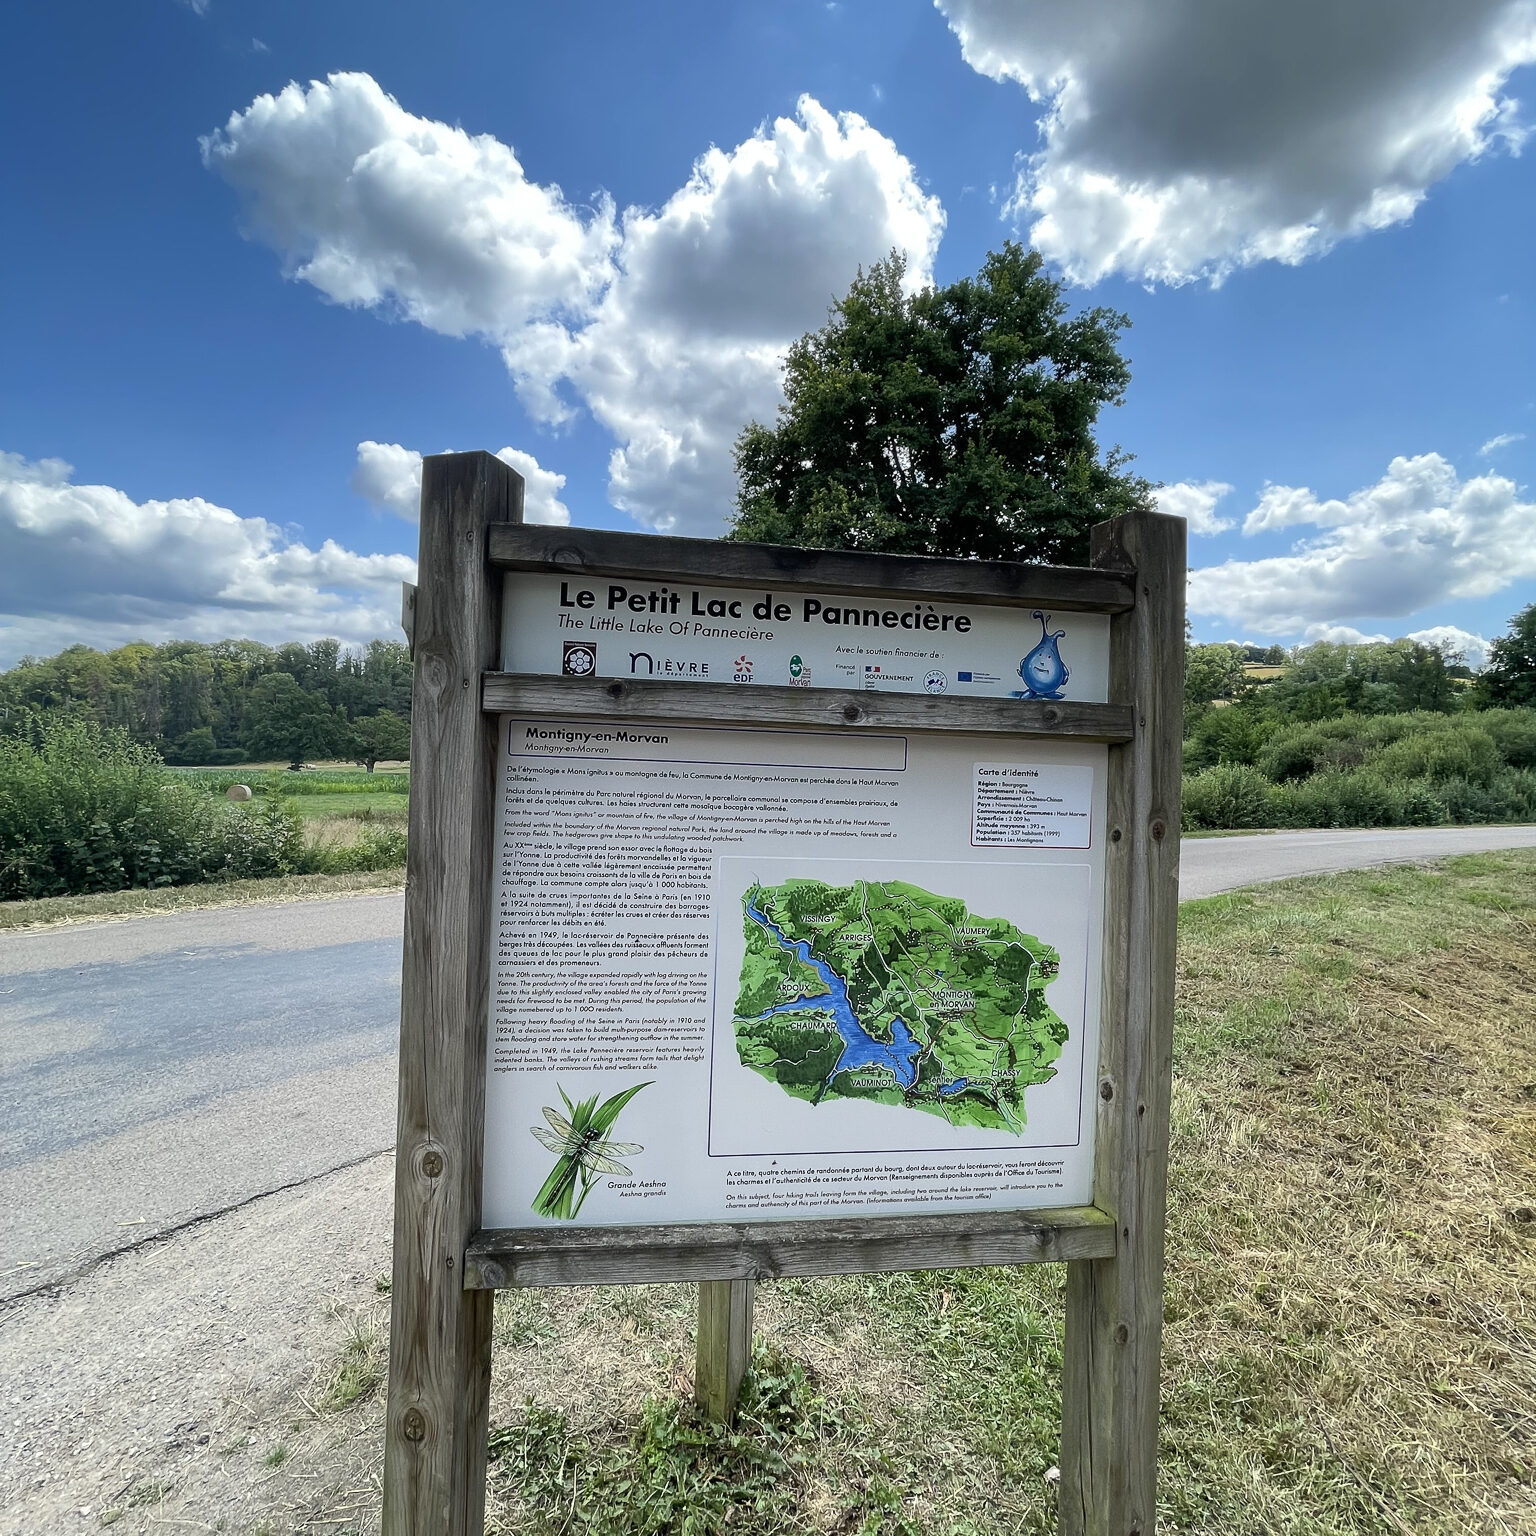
880	990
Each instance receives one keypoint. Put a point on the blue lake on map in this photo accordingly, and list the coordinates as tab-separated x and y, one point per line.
860	1048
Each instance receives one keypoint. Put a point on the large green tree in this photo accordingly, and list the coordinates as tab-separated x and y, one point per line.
1211	672
292	723
1510	677
383	737
951	421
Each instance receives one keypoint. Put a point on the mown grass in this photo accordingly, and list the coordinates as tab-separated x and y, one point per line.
360	806
1351	1307
186	898
274	779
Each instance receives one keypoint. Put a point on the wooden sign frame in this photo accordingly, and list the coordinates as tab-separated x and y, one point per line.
446	1269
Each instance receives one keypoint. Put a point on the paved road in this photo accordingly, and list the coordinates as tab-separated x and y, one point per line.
159	1069
1210	865
162	1068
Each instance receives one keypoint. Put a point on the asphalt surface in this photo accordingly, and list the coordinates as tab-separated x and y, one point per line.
159	1070
1210	865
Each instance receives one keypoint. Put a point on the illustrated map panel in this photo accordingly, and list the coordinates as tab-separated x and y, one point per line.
886	992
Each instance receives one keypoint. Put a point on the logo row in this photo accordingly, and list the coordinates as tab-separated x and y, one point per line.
1043	672
579	659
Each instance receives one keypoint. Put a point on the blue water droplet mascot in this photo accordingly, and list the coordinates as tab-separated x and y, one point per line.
1044	672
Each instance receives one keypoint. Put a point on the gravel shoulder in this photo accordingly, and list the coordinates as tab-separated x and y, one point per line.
185	1385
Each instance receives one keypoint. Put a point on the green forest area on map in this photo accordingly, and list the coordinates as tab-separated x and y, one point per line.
882	991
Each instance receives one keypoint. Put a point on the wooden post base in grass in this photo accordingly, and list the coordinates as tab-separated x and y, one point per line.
725	1346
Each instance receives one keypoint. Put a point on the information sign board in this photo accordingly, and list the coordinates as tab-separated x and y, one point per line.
839	974
781	912
887	643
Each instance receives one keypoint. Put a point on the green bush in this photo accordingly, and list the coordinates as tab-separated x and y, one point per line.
1297	753
1442	756
1510	796
1226	797
256	841
1514	733
84	808
377	848
1360	799
1418	768
1233	734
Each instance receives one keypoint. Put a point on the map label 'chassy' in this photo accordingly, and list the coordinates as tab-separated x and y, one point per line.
884	991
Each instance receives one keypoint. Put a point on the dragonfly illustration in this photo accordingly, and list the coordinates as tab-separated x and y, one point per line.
579	1139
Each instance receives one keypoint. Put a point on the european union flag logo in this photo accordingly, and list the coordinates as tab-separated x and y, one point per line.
963	677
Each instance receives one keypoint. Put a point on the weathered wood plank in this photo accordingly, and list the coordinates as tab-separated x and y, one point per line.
440	1334
1114	1320
761	704
408	614
688	1251
593	552
724	1346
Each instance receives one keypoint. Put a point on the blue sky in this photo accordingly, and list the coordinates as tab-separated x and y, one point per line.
235	305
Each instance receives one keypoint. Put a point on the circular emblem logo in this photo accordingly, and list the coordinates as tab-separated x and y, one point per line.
796	666
936	682
579	658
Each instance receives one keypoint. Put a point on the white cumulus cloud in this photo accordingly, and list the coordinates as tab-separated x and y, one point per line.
1185	139
87	563
1472	648
390	477
1341	634
1450	638
1195	501
669	325
377	207
1419	536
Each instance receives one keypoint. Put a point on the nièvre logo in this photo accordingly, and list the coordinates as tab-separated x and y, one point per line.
643	664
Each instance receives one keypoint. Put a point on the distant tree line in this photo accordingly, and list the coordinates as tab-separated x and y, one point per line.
1316	682
233	701
1383	734
1234	695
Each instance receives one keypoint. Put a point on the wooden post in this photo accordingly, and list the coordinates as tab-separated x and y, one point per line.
1115	1305
724	1345
440	1334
